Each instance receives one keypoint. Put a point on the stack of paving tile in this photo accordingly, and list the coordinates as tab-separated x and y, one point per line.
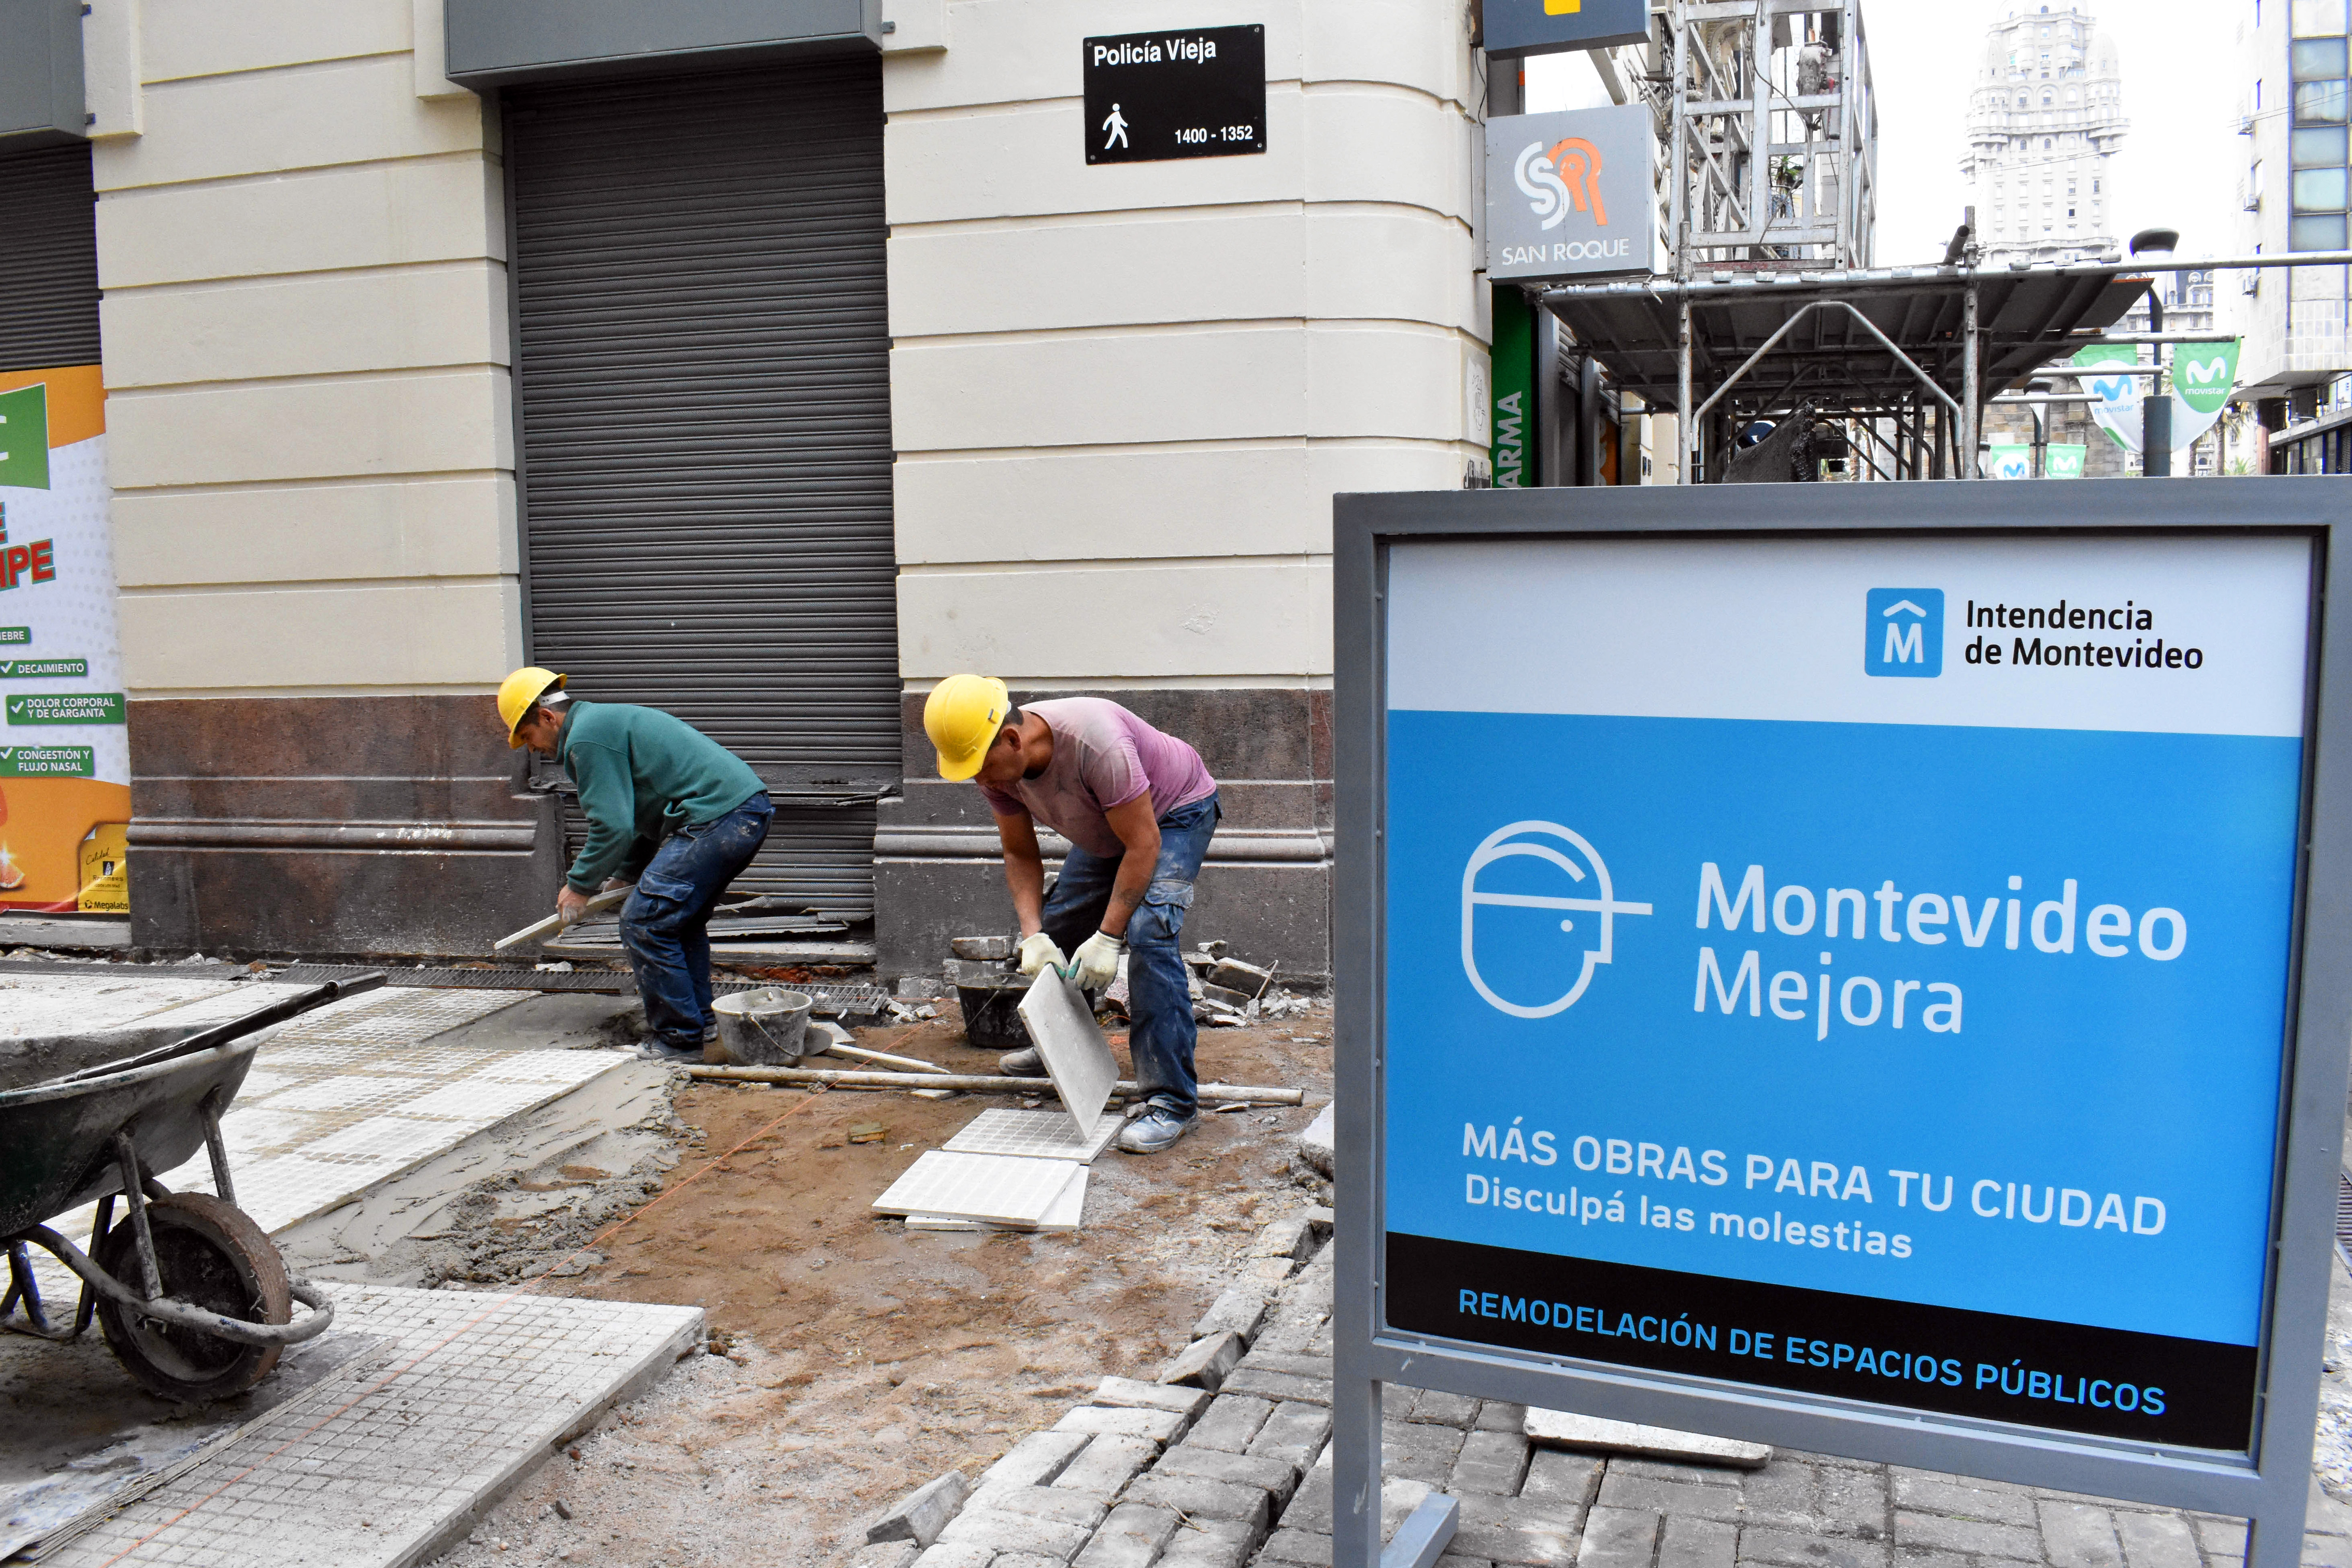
1022	1170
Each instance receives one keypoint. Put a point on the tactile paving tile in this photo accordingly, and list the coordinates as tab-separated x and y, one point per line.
1037	1135
233	1002
544	1065
382	1469
92	1001
396	1016
1068	1213
335	1092
994	1187
478	1098
392	1141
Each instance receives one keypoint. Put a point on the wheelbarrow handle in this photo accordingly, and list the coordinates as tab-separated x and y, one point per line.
237	1028
178	1313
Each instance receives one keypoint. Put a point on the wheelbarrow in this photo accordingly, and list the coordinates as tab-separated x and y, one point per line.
192	1296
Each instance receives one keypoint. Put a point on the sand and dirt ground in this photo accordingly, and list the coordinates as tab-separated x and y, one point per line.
854	1359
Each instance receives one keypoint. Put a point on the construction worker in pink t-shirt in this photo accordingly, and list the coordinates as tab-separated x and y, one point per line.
1137	807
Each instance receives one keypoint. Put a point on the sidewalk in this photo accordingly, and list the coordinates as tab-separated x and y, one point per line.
1181	1480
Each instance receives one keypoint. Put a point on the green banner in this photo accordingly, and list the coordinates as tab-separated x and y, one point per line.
67	708
43	669
2063	461
16	636
48	762
2204	375
24	437
1514	417
2010	460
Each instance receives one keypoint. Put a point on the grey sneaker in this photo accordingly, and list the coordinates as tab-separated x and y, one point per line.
1025	1063
709	1034
1158	1128
655	1048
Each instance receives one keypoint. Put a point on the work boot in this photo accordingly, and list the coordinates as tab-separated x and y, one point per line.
655	1048
1158	1128
1025	1063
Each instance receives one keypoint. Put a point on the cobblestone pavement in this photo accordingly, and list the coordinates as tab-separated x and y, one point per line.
1150	1474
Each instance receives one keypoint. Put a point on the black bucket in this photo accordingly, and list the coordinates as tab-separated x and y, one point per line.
989	994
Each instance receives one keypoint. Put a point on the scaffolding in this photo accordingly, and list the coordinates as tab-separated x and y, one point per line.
1768	121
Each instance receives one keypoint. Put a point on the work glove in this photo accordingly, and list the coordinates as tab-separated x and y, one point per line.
1096	963
1038	953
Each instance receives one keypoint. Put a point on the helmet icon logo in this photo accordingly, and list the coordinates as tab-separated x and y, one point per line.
1594	897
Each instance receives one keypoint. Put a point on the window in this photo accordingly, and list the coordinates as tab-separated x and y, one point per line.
2319	190
2316	19
2319	148
2319	103
2045	98
2318	59
2316	233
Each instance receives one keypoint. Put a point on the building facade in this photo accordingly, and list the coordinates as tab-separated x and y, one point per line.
2297	100
2045	118
767	375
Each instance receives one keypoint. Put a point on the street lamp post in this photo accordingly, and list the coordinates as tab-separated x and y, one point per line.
2038	389
2156	408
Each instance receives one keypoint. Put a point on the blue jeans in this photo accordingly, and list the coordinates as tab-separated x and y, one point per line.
666	923
1159	999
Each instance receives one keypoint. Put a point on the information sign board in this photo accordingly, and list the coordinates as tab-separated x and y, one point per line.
1570	194
1183	92
1834	972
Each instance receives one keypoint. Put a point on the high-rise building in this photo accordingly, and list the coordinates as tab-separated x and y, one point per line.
2046	119
2296	97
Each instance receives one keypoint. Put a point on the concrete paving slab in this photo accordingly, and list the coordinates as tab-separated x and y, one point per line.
344	1098
1563	1429
390	1463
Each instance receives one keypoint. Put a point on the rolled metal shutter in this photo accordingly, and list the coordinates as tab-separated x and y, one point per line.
48	310
704	386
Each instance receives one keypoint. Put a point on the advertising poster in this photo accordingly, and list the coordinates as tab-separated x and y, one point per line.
1855	967
65	758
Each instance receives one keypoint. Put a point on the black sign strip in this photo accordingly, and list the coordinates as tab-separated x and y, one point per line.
1181	92
2066	1377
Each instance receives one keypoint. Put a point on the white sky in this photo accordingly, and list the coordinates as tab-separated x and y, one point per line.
2179	163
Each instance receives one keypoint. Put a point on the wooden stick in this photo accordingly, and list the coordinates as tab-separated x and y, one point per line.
880	1058
1214	1093
540	930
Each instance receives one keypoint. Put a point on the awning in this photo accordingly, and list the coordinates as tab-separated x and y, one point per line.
2026	317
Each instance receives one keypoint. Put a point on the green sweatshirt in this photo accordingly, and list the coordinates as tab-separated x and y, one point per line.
642	775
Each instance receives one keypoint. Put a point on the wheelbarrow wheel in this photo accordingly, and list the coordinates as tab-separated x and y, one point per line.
210	1255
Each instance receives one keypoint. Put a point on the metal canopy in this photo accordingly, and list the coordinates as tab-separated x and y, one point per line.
2025	318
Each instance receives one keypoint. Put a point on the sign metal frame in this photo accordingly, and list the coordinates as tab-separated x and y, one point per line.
2270	1488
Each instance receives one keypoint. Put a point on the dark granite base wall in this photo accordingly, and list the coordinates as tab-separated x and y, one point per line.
332	826
1266	888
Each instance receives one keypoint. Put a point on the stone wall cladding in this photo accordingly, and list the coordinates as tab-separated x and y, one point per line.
332	826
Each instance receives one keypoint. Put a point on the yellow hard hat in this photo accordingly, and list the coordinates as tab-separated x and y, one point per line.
962	716
521	692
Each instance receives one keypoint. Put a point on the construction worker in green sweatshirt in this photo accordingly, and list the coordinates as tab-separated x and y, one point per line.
664	802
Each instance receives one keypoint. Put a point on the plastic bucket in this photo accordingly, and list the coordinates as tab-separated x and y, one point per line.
761	1028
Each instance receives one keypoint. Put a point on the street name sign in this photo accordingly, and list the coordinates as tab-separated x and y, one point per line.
1827	969
1547	26
1184	92
1571	194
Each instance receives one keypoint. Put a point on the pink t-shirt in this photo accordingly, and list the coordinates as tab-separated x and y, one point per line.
1103	756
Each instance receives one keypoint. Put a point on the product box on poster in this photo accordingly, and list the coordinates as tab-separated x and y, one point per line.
1828	966
1571	194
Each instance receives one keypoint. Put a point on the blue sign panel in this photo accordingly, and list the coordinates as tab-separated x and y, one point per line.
1908	1029
1547	26
1903	632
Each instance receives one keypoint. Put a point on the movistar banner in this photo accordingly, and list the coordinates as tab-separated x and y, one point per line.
2203	375
1854	966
